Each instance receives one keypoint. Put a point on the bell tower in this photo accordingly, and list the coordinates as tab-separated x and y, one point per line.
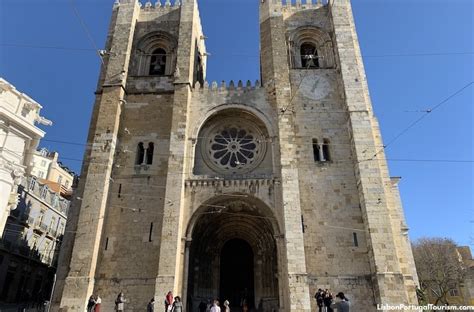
314	76
154	54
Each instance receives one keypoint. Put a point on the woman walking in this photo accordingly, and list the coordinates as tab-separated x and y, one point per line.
120	302
98	301
168	301
226	306
177	305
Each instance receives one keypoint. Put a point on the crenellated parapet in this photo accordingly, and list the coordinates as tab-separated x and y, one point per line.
214	86
295	5
161	4
155	5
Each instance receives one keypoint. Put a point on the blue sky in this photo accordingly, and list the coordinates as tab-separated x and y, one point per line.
437	196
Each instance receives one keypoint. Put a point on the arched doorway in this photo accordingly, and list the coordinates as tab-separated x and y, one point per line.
237	273
232	255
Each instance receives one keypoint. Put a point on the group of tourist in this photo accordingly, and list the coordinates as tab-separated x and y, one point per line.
93	305
326	302
214	306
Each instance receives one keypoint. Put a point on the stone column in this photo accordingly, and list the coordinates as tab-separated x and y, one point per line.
387	276
79	283
275	73
170	271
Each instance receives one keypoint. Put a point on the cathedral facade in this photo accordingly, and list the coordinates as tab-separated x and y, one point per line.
263	191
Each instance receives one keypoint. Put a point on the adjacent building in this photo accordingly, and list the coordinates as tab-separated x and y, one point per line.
46	166
19	138
35	190
31	242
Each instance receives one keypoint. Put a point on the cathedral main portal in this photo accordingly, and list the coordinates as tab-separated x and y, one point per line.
233	255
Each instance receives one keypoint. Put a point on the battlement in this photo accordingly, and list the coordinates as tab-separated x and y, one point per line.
303	4
216	87
160	4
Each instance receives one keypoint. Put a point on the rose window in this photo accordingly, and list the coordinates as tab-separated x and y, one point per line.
234	145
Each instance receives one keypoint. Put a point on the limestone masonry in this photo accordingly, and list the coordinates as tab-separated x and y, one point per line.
263	191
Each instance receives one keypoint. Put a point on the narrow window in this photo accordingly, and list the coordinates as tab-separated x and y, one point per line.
106	243
157	63
44	191
327	156
309	56
151	232
354	237
32	184
149	153
120	190
140	154
316	150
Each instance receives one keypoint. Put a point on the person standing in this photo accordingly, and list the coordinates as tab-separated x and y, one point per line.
209	305
215	307
91	304
98	301
327	299
151	305
120	302
342	304
226	306
319	299
202	306
168	301
177	305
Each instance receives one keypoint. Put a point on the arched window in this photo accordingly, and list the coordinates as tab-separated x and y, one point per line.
327	156
158	63
310	47
140	154
155	55
321	151
309	56
149	153
316	154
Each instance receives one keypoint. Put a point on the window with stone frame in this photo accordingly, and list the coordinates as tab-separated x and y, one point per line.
321	151
157	63
145	154
44	191
155	55
140	154
309	55
310	48
326	154
32	183
149	153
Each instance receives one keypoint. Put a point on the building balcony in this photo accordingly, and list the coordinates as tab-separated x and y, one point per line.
52	233
40	227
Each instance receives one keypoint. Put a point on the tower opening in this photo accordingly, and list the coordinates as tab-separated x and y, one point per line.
237	273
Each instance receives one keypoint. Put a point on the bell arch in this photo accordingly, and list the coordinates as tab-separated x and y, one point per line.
310	47
221	227
155	54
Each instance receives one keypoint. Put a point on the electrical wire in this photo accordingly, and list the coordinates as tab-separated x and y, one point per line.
394	55
429	111
86	30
